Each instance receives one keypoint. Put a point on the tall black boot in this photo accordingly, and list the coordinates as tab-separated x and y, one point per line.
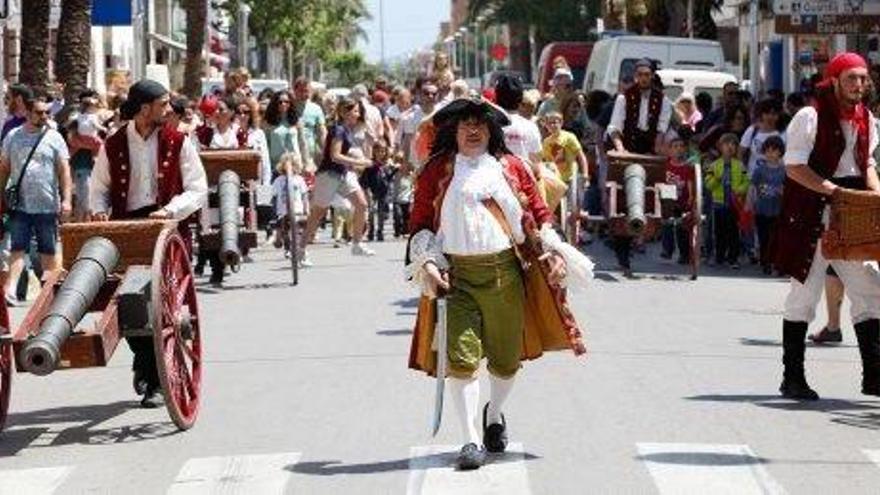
868	335
794	383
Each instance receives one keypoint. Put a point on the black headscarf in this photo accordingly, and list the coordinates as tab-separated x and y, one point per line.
143	92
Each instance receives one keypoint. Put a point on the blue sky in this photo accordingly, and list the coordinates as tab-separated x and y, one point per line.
409	25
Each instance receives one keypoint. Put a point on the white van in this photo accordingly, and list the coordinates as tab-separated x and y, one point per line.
678	81
613	59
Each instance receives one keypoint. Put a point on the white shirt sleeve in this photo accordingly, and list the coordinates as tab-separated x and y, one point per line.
873	140
533	140
665	116
747	138
99	184
195	184
262	145
618	116
801	137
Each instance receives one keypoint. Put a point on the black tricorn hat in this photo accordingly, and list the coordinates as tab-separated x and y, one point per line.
462	108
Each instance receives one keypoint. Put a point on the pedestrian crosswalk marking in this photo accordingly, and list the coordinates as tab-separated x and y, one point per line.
693	468
432	472
246	475
35	481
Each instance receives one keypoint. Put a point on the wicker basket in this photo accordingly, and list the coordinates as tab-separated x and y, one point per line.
134	239
854	226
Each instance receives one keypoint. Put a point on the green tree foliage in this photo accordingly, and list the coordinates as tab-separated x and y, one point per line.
352	68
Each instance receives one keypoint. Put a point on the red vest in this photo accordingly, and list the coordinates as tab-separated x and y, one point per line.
168	176
800	223
636	140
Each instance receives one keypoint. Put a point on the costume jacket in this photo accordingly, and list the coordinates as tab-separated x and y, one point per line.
168	175
550	325
800	224
205	133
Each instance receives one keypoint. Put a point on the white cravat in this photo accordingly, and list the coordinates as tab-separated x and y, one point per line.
467	227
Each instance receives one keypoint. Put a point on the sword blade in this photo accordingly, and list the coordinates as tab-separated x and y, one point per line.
440	333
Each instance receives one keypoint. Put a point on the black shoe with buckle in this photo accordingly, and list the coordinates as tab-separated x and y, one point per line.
494	435
471	457
139	382
826	336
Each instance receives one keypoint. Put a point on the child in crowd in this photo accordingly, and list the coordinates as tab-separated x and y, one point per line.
402	194
729	183
376	180
290	166
765	194
563	148
680	173
88	122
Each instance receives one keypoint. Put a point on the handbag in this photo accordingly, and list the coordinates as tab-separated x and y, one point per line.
11	196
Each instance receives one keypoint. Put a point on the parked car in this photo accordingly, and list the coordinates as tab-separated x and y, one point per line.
576	53
678	81
212	86
613	59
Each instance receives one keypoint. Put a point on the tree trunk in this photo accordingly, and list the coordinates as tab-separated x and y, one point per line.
73	49
614	14
35	44
519	48
196	20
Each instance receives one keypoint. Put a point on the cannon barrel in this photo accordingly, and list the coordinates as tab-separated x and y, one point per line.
229	190
634	188
94	262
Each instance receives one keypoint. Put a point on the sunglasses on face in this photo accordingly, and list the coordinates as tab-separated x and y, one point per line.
41	112
244	111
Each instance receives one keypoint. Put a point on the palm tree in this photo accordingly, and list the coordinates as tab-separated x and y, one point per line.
74	47
35	44
196	20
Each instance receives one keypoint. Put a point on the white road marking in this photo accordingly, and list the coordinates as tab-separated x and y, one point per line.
36	481
693	468
247	475
432	471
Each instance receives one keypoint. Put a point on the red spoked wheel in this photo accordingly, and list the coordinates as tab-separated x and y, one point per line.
177	336
5	363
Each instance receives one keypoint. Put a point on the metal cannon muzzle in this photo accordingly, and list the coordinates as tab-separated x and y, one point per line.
94	263
634	188
229	190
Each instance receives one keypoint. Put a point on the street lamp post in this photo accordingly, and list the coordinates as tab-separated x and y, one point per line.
457	59
477	49
464	41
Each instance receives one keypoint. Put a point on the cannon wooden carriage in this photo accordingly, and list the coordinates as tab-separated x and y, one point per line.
119	279
638	197
232	178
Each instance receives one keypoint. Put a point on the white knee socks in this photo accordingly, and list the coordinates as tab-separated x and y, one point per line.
500	390
466	395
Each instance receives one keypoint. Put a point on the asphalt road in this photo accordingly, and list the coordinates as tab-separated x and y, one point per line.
306	390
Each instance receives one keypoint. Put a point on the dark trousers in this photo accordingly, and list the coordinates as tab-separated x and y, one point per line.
401	219
378	215
623	249
142	347
727	242
765	225
674	234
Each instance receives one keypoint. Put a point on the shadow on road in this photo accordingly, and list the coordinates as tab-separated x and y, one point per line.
859	414
207	288
445	459
75	425
778	343
395	333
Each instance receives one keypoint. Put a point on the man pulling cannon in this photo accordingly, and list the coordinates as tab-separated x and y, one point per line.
147	170
830	146
639	121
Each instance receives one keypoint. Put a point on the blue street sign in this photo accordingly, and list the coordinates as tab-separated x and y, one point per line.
111	13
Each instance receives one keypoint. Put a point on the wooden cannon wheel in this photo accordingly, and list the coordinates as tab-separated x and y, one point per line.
177	337
5	363
293	230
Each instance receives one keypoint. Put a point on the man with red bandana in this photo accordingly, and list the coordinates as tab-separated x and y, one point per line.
830	145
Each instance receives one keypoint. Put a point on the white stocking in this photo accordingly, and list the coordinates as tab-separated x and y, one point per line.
466	395
500	390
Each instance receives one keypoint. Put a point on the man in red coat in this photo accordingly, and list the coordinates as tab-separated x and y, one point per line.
476	210
830	145
147	170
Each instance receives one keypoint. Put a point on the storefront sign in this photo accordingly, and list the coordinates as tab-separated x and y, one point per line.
827	24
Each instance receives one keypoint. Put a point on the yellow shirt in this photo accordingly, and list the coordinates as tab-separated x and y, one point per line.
562	150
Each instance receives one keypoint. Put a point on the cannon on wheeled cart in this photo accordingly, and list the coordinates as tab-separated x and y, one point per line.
230	221
119	279
639	197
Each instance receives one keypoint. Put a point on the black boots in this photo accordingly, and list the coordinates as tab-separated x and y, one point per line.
868	335
794	383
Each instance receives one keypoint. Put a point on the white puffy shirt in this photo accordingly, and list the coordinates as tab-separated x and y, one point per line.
467	227
801	137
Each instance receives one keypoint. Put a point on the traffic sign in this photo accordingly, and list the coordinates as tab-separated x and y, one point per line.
826	7
826	24
499	52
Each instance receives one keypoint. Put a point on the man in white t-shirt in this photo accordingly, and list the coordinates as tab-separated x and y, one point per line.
373	118
522	136
409	118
